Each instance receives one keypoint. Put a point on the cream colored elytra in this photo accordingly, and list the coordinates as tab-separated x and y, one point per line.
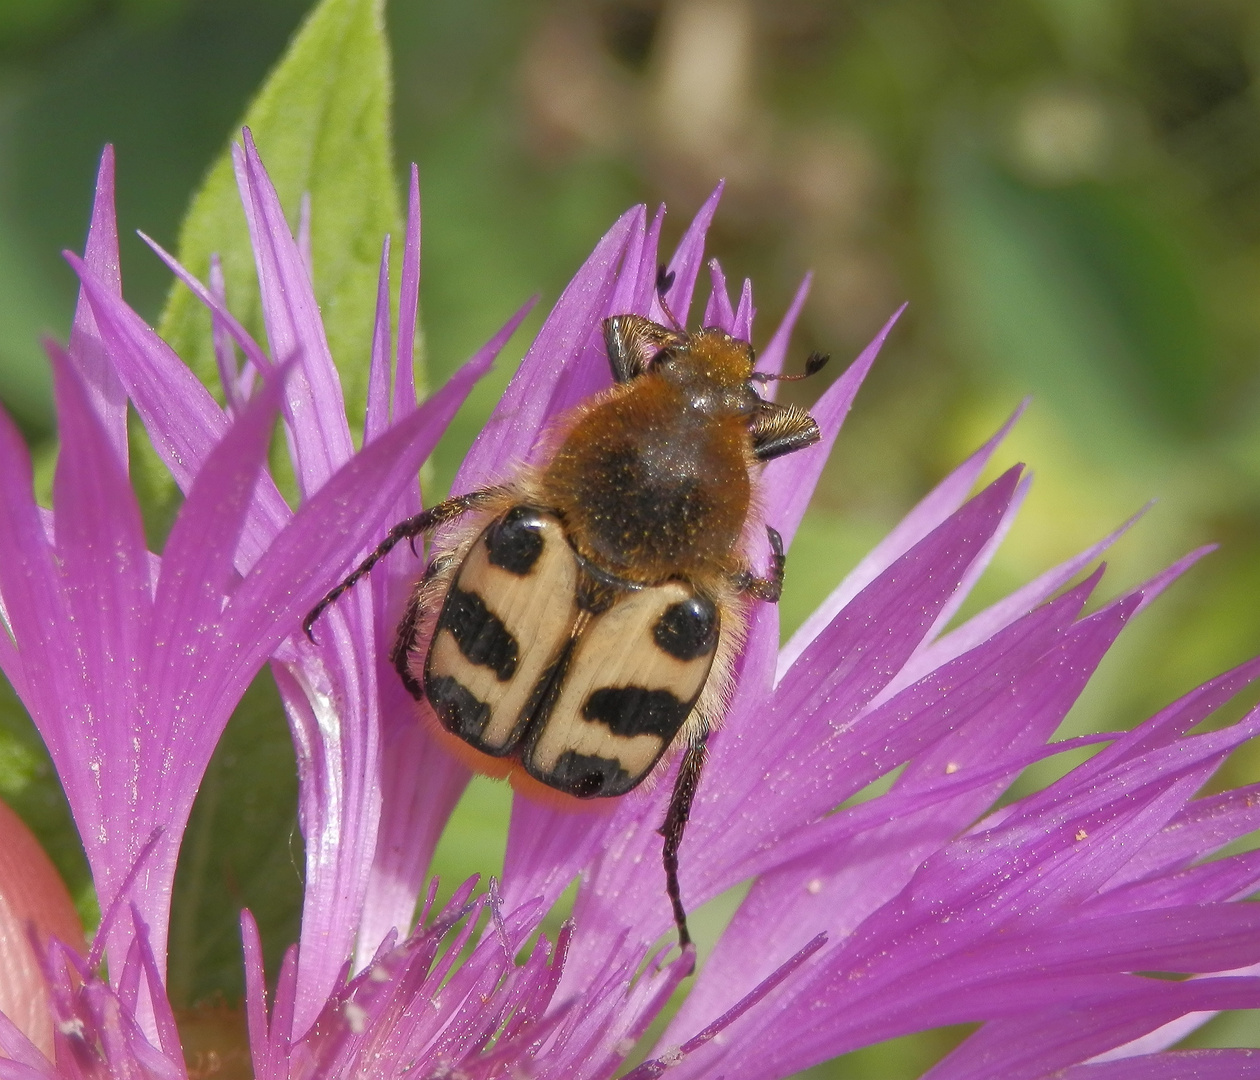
570	635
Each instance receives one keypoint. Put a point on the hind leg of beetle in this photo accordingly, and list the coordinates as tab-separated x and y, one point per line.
675	824
424	522
770	588
405	642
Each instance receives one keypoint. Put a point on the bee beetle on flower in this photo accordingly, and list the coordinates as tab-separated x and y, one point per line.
583	618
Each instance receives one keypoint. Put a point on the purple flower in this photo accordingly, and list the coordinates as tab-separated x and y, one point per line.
1040	921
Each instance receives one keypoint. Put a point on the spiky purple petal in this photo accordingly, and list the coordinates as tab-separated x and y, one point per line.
919	907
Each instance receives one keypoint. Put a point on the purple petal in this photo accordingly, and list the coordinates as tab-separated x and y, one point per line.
413	815
338	771
1086	806
657	1066
182	419
1204	827
688	257
626	293
224	347
645	277
319	436
999	615
195	578
590	373
105	579
331	528
718	312
304	235
255	993
788	482
1178	1065
215	301
744	314
933	509
109	402
377	415
785	755
903	602
1184	939
164	709
1150	590
102	553
1047	689
168	1033
22	1059
1042	1043
408	300
981	561
547	846
1174	720
846	878
281	1031
525	406
1231	878
1166	1035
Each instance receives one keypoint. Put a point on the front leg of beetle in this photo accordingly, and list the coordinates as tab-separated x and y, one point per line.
675	824
419	525
771	588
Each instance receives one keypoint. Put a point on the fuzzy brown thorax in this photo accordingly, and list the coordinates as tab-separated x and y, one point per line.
652	480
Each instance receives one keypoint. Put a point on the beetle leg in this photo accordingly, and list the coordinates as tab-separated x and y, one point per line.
404	642
633	342
771	588
424	522
780	429
676	817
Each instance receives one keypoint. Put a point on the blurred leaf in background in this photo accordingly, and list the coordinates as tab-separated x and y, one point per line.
1067	192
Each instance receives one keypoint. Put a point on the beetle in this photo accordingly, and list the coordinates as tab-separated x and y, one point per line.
581	620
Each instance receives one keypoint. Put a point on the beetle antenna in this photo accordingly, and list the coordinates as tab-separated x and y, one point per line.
664	279
814	363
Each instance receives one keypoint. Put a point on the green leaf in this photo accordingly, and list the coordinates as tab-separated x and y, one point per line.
322	125
1079	295
242	849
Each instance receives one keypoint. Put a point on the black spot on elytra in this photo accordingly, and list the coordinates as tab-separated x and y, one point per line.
480	634
515	541
588	776
460	713
633	710
688	630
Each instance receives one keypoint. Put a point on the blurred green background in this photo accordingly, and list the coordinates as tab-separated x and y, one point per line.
1066	191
